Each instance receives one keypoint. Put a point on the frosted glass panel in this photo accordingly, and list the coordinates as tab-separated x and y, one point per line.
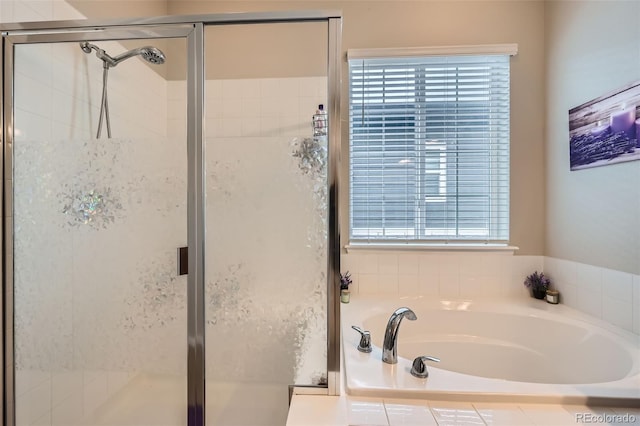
266	209
100	313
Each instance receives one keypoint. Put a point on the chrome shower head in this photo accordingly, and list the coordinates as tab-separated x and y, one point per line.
150	54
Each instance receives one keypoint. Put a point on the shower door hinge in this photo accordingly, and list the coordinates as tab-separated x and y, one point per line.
183	260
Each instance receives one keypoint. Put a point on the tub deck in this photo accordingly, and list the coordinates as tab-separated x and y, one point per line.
598	380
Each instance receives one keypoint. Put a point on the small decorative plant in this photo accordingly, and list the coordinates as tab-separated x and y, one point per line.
345	281
538	283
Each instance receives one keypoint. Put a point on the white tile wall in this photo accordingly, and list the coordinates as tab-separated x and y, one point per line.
260	107
34	404
613	296
64	398
25	10
444	274
68	411
64	384
243	116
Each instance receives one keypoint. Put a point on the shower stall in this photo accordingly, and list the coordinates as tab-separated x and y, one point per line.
184	269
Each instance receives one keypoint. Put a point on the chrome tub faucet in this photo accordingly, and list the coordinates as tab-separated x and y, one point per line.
390	344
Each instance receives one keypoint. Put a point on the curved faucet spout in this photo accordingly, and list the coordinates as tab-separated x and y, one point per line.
390	344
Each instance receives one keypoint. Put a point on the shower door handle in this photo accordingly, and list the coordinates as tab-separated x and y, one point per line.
183	260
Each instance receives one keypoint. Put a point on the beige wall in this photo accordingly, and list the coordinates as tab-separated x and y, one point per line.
437	23
294	49
104	9
593	215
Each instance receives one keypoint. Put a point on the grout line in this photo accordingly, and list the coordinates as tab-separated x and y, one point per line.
479	415
384	405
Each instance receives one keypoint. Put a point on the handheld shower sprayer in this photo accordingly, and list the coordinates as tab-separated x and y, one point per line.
150	54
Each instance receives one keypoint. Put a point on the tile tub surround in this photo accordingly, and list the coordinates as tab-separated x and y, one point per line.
413	272
613	296
610	295
445	274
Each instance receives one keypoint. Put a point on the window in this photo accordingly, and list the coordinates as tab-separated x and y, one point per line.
429	148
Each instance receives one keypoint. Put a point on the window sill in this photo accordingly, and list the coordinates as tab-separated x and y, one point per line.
354	247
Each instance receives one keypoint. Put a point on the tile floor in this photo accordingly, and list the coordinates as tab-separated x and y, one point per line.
313	410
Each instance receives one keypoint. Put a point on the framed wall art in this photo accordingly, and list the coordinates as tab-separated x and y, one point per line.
606	130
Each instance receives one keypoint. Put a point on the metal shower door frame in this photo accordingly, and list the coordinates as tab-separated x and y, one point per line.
191	28
193	34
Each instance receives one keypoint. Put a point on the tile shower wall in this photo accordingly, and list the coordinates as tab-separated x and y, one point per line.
266	232
246	108
67	366
37	10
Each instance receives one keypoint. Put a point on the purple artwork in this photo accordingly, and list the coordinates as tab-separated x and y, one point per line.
606	130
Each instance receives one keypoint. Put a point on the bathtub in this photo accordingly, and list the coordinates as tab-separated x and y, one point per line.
509	350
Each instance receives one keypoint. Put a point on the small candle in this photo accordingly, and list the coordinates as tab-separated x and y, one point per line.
600	129
624	121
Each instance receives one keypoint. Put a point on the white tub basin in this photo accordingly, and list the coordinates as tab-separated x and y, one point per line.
506	350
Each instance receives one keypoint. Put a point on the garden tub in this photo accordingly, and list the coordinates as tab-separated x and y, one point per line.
510	350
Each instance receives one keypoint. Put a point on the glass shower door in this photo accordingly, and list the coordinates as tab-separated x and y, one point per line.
266	211
100	311
100	327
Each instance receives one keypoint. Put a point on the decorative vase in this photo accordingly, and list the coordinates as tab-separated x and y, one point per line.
539	293
345	295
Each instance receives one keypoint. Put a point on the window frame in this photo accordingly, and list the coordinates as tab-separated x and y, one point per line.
423	240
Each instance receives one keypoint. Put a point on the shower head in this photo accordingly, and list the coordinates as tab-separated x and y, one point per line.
153	55
148	53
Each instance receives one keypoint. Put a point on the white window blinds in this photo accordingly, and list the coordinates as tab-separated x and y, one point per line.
429	148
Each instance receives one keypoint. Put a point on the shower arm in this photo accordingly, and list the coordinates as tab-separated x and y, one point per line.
124	56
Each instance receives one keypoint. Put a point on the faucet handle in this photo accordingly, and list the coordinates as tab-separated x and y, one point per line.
419	368
365	339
